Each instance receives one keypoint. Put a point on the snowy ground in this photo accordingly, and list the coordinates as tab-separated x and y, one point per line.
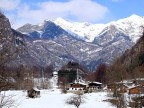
55	99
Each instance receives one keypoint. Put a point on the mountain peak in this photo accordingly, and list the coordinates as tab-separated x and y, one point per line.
59	19
135	16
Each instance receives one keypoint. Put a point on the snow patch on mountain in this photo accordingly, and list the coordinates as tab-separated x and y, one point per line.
85	30
130	26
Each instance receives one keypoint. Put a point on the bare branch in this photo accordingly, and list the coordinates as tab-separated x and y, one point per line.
76	100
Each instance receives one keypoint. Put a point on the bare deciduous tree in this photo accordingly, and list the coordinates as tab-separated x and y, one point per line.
76	100
122	102
7	101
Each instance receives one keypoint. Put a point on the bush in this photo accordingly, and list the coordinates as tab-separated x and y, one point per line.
75	100
64	91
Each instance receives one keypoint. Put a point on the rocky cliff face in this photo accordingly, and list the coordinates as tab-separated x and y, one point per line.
9	41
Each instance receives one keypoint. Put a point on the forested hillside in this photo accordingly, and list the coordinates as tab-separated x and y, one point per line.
129	65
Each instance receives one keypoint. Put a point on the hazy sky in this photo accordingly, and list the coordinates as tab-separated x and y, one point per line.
94	11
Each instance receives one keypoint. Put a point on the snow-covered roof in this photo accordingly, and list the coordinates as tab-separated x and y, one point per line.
133	86
36	89
125	81
82	83
55	72
96	82
131	80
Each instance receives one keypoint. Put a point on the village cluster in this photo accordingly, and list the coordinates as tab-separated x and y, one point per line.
79	85
131	92
132	89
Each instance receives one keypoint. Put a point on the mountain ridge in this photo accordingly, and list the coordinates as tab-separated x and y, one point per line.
88	31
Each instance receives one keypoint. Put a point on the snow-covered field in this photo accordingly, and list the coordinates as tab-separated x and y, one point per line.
55	99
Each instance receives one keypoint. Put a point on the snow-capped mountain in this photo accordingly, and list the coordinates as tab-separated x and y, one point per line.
84	30
131	26
60	41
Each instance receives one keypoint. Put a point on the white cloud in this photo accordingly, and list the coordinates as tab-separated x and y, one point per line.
77	10
9	4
